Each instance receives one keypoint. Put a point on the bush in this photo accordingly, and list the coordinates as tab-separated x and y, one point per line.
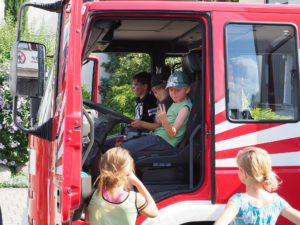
13	142
266	114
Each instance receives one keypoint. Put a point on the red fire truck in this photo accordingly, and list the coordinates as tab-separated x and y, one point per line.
243	63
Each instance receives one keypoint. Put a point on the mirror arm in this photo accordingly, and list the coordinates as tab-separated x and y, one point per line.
51	7
44	131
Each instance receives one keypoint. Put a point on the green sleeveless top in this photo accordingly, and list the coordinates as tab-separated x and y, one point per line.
171	117
103	212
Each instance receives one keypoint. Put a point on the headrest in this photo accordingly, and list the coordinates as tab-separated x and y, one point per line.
191	62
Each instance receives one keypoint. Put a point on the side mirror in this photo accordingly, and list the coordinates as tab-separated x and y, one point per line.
27	69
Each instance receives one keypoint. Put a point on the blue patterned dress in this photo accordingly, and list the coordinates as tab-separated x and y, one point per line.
249	214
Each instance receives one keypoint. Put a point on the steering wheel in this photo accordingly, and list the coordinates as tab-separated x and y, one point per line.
105	110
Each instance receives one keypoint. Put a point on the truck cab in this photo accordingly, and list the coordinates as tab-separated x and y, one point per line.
242	62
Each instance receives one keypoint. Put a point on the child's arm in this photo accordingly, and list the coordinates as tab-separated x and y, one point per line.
228	214
144	199
143	124
291	214
172	130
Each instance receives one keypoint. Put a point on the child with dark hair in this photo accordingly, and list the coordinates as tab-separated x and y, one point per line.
158	88
145	107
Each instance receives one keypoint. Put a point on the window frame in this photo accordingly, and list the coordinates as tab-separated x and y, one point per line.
297	52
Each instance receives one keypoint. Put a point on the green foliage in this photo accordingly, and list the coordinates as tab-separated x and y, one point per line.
124	66
13	142
85	93
266	114
7	38
174	63
121	99
117	91
11	8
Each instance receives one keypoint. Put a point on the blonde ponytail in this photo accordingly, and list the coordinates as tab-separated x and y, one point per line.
256	162
115	165
271	181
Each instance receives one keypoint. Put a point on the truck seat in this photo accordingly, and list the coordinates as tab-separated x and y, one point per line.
178	160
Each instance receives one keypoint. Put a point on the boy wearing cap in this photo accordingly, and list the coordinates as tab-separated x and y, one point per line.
172	122
158	88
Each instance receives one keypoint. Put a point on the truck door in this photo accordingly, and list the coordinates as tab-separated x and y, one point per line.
257	94
65	183
174	178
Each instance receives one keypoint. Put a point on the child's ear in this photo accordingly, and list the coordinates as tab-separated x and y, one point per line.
188	89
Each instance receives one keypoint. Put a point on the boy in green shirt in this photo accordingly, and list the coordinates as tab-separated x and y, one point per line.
172	123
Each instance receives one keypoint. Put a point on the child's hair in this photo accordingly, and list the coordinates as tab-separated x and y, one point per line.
256	162
115	165
143	78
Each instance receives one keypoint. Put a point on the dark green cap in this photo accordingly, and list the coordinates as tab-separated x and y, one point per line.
178	79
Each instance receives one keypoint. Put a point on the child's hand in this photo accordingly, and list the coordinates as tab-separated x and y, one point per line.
132	178
136	124
161	113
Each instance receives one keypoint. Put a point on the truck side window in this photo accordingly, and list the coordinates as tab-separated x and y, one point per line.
87	79
262	77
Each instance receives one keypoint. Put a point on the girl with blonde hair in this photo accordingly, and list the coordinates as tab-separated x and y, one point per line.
113	203
259	205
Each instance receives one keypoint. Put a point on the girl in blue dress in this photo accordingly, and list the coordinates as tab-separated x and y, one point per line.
259	205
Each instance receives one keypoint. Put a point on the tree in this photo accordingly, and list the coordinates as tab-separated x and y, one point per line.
7	37
123	66
11	9
117	92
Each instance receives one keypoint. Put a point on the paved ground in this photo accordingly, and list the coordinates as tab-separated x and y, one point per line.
13	203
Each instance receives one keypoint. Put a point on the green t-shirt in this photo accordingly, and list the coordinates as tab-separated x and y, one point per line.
171	117
103	212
